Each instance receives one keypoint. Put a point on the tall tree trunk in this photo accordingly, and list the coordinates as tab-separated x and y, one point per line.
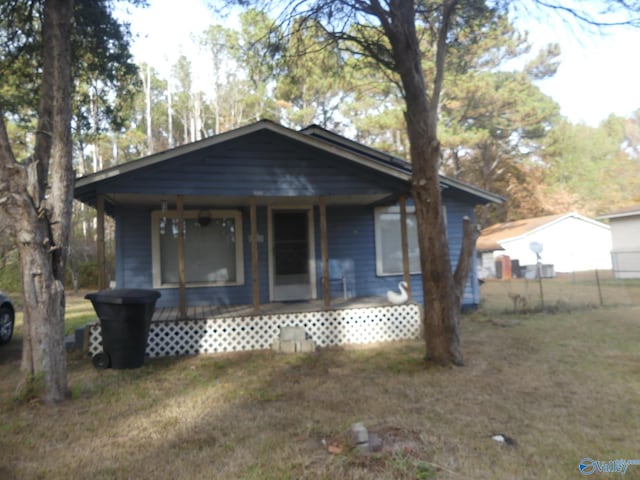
441	321
39	200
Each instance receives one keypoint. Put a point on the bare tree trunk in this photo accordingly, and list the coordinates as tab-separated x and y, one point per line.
465	259
146	80
114	150
40	195
441	323
198	131
185	128
95	151
170	114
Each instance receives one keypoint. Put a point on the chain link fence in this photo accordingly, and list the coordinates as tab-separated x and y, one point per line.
562	292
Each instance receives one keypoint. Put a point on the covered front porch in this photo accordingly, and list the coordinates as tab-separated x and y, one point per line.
277	250
210	329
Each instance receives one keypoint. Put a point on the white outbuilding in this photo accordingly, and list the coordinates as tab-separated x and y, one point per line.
625	236
567	242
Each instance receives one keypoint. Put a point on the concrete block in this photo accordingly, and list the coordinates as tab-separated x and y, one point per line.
276	345
375	442
359	436
287	346
292	334
79	334
306	346
86	337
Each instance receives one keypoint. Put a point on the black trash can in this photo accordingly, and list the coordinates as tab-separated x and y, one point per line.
125	315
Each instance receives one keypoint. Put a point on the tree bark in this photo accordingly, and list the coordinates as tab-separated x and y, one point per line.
38	203
440	322
465	259
146	83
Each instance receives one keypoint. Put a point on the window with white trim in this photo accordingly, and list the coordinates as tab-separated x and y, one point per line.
389	240
213	251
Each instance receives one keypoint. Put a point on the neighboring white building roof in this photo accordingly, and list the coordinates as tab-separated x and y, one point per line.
625	212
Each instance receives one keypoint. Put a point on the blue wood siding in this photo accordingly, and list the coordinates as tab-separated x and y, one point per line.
258	164
351	241
457	209
133	248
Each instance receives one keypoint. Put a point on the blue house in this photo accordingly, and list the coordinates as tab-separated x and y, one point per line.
265	214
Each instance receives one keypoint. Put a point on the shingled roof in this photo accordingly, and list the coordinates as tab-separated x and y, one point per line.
625	212
491	237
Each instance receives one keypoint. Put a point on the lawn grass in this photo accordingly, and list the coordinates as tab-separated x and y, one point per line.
564	386
78	312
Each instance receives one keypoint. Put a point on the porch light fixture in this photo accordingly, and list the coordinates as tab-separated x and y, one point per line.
204	218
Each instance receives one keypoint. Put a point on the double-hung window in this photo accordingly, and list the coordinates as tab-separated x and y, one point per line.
212	248
389	240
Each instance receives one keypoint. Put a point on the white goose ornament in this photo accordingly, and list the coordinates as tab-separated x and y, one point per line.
398	298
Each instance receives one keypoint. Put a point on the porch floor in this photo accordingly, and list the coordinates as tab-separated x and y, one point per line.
201	312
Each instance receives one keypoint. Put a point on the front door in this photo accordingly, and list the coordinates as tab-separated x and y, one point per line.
292	267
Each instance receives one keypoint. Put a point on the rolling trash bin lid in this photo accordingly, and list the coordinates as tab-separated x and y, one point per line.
124	296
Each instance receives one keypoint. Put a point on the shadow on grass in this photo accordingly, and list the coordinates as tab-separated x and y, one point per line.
267	415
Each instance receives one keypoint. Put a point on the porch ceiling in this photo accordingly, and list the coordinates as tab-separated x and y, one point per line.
128	199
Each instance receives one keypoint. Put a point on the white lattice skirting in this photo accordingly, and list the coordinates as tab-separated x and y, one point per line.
256	332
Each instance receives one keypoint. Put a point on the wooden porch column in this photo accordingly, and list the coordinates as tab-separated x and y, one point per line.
324	248
254	255
100	247
182	293
404	239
